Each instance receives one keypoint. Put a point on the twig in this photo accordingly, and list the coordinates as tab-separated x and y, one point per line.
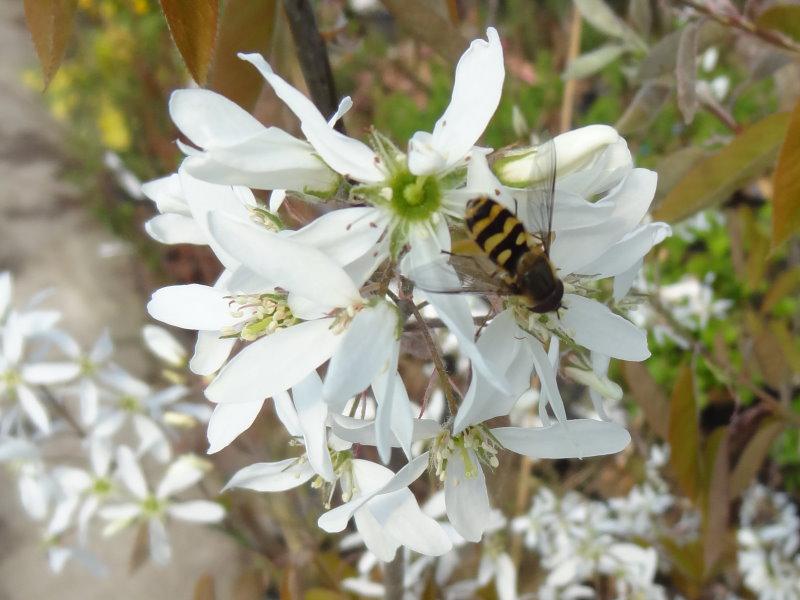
439	324
568	100
62	410
313	56
393	577
743	24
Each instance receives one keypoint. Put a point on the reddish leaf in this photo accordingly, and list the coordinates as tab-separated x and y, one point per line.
50	23
686	72
714	179
786	183
717	503
245	26
193	25
649	396
754	455
684	434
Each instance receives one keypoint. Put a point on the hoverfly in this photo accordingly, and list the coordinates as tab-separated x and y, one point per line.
514	261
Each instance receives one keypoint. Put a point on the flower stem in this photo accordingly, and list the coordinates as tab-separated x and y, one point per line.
63	412
313	56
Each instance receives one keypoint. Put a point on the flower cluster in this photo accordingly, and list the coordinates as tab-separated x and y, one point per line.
54	392
336	295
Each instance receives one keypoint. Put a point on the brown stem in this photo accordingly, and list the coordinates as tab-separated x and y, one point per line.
570	87
393	577
313	56
63	412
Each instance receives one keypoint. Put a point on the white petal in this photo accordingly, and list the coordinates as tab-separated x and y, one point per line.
375	538
164	345
312	413
167	194
34	496
210	120
344	235
160	551
210	352
401	518
287	414
593	325
71	479
272	477
476	93
191	306
378	480
103	348
230	420
48	373
628	251
33	407
623	282
175	229
576	438
181	475
197	511
547	377
345	155
297	268
120	512
130	472
365	350
359	431
274	363
573	249
89	401
466	498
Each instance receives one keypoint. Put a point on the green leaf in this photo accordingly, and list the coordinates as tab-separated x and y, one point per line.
602	18
782	17
754	455
786	184
591	62
245	26
716	178
50	23
684	434
193	25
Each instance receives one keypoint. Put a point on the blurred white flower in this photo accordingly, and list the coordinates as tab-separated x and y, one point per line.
153	508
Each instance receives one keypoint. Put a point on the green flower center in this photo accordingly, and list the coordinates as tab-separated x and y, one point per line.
151	506
101	486
130	404
415	198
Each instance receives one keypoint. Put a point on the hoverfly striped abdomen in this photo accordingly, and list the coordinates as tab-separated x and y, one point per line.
497	232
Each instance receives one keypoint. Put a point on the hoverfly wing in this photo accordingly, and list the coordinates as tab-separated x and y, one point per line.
539	197
456	273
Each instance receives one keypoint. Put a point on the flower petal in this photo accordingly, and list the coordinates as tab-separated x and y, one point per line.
48	373
160	551
628	251
211	120
210	352
293	266
401	518
477	89
366	347
130	472
172	228
272	477
466	498
345	155
312	413
197	511
593	325
274	363
180	475
576	438
34	408
230	420
191	306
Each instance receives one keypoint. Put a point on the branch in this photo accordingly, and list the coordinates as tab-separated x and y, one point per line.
313	56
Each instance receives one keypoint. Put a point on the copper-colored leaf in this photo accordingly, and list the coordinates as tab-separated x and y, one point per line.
786	184
193	25
204	588
50	23
754	455
768	353
649	396
644	107
684	434
785	285
782	17
419	19
245	26
717	177
717	500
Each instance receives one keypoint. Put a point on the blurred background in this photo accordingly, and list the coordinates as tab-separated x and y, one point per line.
705	93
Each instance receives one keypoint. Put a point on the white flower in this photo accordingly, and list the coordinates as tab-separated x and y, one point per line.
152	508
37	490
19	378
164	345
131	400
